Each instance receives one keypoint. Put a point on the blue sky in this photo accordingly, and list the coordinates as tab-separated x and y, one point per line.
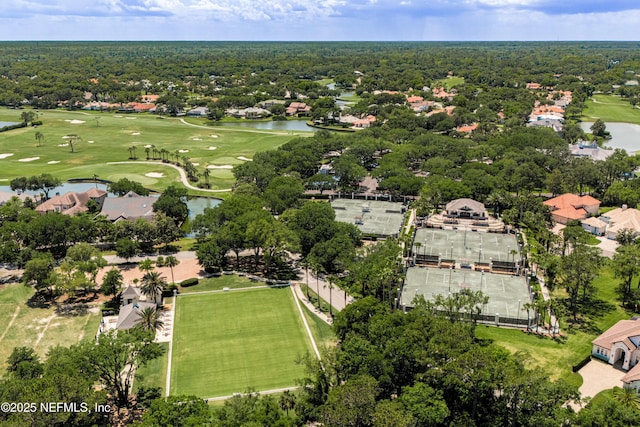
320	20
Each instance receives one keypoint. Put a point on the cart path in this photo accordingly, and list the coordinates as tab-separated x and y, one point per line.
15	314
273	391
183	175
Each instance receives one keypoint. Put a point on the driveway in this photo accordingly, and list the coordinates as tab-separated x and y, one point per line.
597	376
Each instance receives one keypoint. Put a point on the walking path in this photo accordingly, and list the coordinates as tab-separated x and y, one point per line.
15	314
273	391
167	386
183	175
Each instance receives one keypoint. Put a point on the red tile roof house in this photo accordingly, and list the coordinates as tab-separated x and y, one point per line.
72	203
619	346
297	109
572	207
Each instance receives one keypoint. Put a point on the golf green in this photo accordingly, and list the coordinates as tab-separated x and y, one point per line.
228	342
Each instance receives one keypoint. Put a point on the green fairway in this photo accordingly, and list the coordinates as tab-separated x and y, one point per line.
39	328
108	137
610	108
227	342
450	82
218	283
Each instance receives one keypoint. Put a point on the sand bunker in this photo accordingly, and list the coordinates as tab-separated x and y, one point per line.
135	134
53	162
66	137
195	164
183	151
154	175
75	122
196	139
118	116
131	118
5	155
148	146
63	145
214	136
212	148
90	142
28	159
220	167
244	158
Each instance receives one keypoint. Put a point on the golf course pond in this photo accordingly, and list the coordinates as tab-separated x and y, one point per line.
623	135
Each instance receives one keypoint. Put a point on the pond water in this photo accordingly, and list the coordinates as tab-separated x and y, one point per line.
284	125
623	135
196	205
3	124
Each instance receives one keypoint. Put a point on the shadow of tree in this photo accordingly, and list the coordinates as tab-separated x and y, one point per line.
72	310
40	300
588	312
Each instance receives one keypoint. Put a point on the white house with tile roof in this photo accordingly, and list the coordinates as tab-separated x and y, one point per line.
619	345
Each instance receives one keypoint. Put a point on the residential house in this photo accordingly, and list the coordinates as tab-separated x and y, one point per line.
467	128
298	109
466	208
594	226
618	346
198	112
150	99
129	207
590	150
533	86
6	196
72	203
619	219
270	103
569	207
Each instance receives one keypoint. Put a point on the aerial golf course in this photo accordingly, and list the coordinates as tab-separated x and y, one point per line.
79	144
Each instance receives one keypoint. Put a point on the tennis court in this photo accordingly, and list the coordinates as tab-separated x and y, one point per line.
372	217
466	245
507	294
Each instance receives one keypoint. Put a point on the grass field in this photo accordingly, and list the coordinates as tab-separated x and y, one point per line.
228	342
218	283
40	328
154	374
557	357
107	137
610	108
449	82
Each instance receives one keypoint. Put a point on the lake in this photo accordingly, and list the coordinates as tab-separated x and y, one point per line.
623	135
283	125
3	124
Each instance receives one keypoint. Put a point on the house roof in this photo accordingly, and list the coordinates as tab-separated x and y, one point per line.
570	200
621	218
465	204
570	213
131	292
131	207
70	203
129	315
632	375
621	332
595	222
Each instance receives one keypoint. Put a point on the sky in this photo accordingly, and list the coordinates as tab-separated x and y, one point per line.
320	20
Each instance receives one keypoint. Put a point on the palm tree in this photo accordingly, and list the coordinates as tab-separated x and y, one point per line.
206	174
177	154
146	265
147	150
39	138
72	140
627	396
149	319
153	284
164	154
171	261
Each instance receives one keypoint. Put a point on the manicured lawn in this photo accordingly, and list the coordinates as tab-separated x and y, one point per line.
40	328
450	82
322	332
228	342
557	357
610	108
154	373
109	138
230	281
